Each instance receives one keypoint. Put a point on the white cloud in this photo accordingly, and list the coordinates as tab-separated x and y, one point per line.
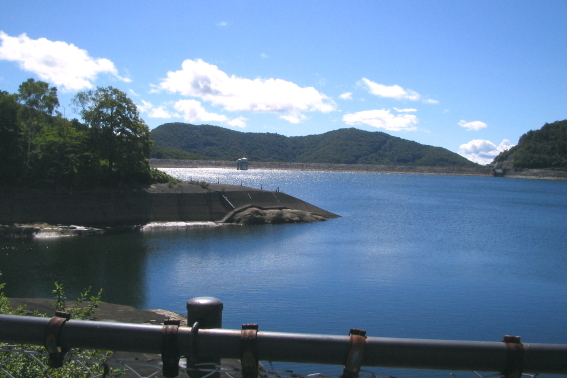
238	122
156	111
346	96
57	62
483	151
383	119
430	101
192	111
393	91
222	23
405	110
264	55
472	126
205	81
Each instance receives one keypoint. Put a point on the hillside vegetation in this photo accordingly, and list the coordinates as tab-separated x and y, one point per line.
539	149
344	146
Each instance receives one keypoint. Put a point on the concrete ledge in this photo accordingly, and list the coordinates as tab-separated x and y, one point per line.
125	209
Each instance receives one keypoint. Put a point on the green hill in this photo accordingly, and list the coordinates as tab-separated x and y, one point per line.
539	149
344	146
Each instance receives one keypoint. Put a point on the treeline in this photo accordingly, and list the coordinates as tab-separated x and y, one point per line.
41	148
344	146
540	149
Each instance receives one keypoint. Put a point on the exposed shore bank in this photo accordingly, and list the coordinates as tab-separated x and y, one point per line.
365	168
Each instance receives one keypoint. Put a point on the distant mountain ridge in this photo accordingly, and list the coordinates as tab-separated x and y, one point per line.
343	146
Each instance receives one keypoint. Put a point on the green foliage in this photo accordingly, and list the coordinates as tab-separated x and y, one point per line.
39	149
38	102
59	296
22	366
344	146
78	311
117	135
544	149
159	152
161	177
38	96
202	184
12	140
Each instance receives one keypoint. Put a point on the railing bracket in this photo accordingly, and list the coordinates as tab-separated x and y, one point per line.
514	357
249	352
56	353
169	349
355	353
193	343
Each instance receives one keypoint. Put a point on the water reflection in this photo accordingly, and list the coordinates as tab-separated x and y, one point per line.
116	263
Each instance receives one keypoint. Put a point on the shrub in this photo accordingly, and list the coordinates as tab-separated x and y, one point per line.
31	364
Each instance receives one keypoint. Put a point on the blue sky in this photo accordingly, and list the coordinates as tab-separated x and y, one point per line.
470	76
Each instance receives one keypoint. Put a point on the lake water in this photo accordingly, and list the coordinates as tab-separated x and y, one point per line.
440	257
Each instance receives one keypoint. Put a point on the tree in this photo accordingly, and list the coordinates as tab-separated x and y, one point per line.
117	134
11	139
39	100
57	156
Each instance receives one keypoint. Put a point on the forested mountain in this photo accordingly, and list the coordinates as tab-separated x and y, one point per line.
344	146
543	148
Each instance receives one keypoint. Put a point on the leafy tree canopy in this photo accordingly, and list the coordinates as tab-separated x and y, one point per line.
540	149
40	148
118	135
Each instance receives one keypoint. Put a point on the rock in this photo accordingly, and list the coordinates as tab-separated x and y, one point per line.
273	215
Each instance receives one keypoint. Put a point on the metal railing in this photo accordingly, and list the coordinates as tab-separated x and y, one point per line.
206	341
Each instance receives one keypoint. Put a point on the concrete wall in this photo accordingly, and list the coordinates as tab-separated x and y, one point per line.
109	207
106	207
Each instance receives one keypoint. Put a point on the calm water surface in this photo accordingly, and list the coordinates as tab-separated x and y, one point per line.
441	257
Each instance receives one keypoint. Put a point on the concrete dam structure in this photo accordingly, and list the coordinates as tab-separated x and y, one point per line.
184	202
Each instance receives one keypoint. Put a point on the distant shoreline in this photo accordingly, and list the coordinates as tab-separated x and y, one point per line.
540	174
324	167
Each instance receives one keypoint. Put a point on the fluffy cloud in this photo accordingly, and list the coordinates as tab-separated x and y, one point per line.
382	119
483	151
430	101
405	110
472	126
238	122
394	91
346	96
156	111
57	62
192	111
205	81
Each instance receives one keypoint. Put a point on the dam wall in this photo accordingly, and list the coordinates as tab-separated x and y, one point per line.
182	203
110	208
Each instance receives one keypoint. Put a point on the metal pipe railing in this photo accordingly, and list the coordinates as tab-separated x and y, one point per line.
213	344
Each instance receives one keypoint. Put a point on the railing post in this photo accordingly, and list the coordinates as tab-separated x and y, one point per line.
207	312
